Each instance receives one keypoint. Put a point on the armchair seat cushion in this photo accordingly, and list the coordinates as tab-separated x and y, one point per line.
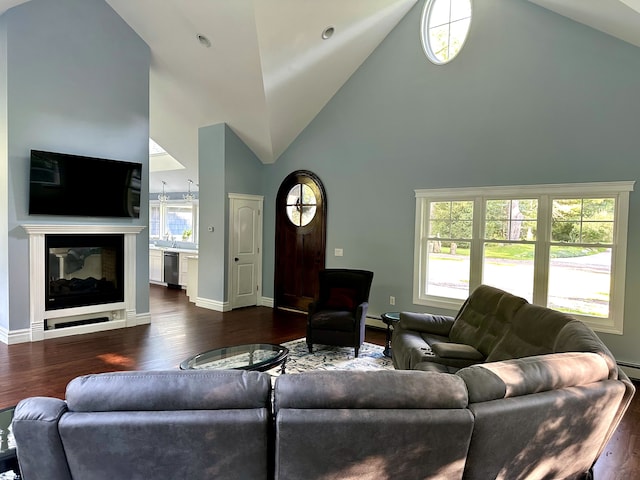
333	320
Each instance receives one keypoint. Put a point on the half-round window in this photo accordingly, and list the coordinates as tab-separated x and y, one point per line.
301	205
444	28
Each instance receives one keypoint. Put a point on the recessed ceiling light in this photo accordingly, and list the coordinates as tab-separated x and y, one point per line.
327	33
204	41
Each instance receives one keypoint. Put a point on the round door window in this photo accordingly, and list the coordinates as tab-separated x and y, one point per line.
301	205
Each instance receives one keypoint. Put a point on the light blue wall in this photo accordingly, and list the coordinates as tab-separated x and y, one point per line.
532	98
78	82
211	256
243	173
4	168
226	165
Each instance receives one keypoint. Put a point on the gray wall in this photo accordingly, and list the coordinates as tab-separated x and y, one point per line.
532	98
77	82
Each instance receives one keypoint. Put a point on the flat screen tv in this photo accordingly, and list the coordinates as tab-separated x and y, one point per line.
73	185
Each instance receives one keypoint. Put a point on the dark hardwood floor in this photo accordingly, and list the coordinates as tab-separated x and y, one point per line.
179	329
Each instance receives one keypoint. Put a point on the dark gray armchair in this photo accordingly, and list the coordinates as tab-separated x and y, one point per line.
337	316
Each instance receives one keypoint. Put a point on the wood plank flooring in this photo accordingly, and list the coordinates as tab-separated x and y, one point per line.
180	329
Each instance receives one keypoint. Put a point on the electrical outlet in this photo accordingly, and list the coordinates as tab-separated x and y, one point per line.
338	252
392	300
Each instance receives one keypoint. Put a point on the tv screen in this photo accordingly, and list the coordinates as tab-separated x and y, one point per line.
73	185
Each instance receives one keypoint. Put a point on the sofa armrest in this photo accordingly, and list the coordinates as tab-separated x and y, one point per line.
522	376
426	322
39	448
457	351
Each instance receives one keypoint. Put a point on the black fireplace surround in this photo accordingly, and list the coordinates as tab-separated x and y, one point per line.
83	270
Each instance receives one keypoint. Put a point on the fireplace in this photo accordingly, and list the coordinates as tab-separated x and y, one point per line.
82	279
83	270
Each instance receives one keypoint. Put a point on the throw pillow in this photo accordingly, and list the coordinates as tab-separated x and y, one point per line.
341	298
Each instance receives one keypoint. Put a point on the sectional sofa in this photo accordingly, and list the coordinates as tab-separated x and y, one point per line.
168	425
545	392
540	405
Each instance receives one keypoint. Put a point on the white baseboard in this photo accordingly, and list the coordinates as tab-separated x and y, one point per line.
14	336
376	322
143	318
265	302
212	304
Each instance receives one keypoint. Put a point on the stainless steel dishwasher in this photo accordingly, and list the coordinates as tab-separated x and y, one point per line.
172	269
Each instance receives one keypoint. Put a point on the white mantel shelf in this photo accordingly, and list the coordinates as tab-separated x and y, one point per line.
122	314
45	229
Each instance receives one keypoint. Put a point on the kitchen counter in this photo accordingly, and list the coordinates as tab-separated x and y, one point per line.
173	249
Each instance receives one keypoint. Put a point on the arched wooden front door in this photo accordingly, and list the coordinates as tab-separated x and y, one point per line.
301	211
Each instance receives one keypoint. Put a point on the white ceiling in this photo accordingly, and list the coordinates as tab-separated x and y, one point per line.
268	72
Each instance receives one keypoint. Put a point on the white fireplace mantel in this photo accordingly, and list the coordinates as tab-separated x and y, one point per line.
44	229
123	314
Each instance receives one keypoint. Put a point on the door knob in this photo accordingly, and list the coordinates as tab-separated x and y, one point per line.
236	259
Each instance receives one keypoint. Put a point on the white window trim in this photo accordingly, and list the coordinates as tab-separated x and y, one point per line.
424	34
544	193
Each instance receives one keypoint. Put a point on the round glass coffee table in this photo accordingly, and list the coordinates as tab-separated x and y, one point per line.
255	356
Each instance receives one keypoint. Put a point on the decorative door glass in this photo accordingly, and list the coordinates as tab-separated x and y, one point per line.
301	205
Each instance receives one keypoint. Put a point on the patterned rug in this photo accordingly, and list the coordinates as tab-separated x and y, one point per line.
324	357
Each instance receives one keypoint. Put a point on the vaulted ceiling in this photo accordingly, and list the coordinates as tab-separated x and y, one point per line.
264	68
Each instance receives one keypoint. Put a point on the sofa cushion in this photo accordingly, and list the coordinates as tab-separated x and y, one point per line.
366	425
512	378
533	331
168	390
485	318
575	336
456	350
424	322
320	389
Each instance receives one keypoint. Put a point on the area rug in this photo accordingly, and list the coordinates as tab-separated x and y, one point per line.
325	357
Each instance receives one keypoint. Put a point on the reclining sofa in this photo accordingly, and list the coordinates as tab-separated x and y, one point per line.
540	405
234	425
545	392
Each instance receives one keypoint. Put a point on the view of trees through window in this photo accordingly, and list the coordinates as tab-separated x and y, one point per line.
173	221
577	250
445	26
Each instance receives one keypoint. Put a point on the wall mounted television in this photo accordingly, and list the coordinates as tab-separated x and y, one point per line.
73	185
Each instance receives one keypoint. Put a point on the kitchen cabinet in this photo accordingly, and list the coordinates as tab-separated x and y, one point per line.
155	265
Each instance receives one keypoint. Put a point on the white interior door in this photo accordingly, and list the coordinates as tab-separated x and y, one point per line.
245	262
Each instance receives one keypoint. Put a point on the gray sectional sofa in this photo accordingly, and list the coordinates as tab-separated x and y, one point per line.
197	425
513	392
545	392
